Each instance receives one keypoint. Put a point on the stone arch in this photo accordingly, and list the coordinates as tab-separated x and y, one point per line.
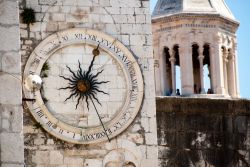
120	158
171	60
124	153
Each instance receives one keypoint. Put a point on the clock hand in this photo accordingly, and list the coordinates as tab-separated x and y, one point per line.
95	52
100	119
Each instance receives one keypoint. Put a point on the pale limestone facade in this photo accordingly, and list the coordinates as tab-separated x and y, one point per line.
190	35
130	23
11	112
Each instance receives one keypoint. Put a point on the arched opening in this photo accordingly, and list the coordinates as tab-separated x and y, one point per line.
196	69
172	65
177	70
207	70
178	80
168	74
128	164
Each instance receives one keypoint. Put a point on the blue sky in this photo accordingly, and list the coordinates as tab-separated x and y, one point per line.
240	9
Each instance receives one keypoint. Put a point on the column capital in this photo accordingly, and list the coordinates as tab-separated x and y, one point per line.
231	56
172	58
201	57
225	55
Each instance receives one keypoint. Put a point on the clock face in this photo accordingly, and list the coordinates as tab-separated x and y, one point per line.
92	86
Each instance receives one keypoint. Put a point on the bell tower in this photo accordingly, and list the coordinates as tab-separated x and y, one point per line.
199	38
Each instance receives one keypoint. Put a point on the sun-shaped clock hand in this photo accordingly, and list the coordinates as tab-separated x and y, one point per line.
84	85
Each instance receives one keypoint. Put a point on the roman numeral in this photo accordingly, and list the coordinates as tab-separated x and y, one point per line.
65	38
40	113
61	131
49	124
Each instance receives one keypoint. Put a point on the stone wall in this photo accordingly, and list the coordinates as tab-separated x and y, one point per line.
11	136
129	22
203	132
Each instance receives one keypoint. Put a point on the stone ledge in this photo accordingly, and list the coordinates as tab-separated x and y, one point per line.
203	105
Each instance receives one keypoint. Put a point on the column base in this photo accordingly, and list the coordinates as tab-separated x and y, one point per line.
187	90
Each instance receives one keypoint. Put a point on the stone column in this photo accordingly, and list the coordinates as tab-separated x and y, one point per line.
173	71
218	70
232	81
225	72
236	69
186	64
212	71
201	58
11	113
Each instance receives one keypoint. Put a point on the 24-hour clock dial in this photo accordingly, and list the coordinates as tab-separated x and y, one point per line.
92	86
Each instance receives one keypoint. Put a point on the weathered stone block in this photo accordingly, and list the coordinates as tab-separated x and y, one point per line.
128	11
52	26
11	62
24	33
56	157
112	10
138	40
128	3
104	3
34	5
131	19
113	28
8	12
92	162
151	138
149	163
152	152
58	17
11	147
140	19
84	3
41	157
142	11
5	125
73	161
106	19
120	19
8	35
6	90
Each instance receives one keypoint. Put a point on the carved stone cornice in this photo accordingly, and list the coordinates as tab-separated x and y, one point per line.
181	16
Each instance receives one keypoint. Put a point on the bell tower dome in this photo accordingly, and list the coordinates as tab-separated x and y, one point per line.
195	36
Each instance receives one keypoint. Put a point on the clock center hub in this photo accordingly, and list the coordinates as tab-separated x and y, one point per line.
83	86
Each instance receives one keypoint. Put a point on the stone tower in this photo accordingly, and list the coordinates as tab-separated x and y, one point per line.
195	36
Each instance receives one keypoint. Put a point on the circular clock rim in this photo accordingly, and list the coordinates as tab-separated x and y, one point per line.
130	56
